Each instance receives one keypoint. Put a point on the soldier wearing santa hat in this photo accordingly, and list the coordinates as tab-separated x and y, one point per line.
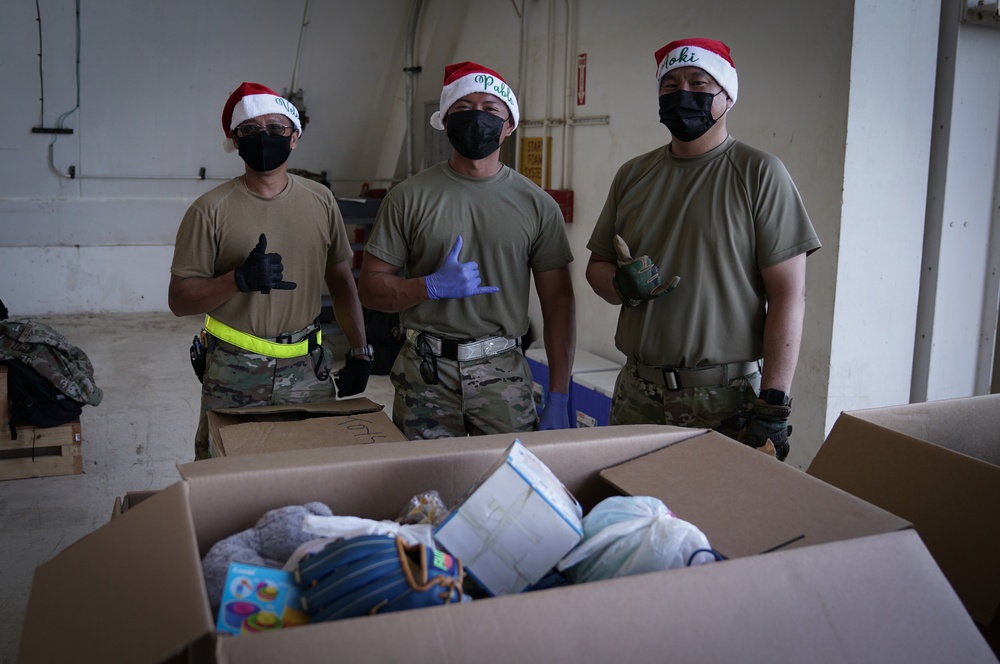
253	255
718	348
454	250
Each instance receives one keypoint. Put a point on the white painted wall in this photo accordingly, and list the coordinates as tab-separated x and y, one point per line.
885	193
841	92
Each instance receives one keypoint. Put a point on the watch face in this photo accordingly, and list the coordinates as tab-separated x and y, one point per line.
774	397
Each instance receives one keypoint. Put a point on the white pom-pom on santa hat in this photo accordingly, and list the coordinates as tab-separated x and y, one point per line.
708	54
466	78
252	100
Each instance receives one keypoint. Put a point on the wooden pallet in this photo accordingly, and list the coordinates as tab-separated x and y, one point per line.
37	451
41	452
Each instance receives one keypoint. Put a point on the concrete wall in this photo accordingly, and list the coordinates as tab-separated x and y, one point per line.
843	93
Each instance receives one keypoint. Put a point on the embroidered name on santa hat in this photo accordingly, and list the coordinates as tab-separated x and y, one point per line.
708	54
466	78
251	100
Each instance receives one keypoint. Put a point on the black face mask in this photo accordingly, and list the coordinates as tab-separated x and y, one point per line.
264	152
475	134
688	115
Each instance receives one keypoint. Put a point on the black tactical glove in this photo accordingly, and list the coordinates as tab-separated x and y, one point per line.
262	271
768	423
353	378
638	279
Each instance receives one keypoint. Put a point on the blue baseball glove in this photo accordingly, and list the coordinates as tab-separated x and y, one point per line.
376	574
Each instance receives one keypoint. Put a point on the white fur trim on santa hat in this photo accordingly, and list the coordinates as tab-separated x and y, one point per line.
478	79
252	100
708	54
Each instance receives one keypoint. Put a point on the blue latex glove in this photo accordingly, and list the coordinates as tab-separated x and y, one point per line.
555	415
454	279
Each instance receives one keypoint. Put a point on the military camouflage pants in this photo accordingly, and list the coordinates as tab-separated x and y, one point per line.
490	395
235	377
724	408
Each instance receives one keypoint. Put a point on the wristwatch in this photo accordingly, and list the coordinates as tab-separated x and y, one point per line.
774	397
368	350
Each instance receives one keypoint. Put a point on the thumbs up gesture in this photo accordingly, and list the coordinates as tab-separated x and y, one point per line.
637	280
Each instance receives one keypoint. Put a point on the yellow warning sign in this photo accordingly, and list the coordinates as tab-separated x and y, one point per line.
536	164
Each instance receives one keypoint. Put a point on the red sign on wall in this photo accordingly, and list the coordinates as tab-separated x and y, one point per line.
581	79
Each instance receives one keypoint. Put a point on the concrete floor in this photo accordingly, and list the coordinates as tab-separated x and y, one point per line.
132	441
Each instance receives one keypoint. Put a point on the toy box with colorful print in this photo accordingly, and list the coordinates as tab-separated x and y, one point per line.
259	599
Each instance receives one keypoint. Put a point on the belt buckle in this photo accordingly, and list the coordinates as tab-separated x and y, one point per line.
283	338
671	378
494	345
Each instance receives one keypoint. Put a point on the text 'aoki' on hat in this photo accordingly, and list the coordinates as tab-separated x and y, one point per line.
708	54
251	100
466	78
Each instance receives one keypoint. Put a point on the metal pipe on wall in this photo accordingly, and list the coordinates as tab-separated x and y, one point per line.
411	73
567	94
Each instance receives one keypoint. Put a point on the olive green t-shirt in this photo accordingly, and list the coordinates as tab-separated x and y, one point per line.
714	220
303	224
509	226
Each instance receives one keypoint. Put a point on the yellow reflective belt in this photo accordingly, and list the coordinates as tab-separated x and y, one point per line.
257	345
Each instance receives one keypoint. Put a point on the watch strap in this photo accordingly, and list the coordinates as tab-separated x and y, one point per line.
368	350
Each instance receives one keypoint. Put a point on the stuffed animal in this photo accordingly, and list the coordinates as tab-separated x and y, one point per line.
270	543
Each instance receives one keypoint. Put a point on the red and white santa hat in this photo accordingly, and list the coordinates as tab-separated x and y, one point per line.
708	54
251	100
466	78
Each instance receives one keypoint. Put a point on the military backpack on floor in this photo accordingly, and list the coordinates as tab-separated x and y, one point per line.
49	380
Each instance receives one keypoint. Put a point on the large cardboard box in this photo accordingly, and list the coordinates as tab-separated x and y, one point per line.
864	599
258	429
936	464
37	451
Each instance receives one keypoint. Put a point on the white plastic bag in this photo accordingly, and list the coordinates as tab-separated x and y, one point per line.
626	535
331	528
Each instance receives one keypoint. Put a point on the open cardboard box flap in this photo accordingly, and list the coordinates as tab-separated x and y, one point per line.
122	593
142	598
747	502
936	464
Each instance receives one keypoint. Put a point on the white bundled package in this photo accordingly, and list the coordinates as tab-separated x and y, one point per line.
514	525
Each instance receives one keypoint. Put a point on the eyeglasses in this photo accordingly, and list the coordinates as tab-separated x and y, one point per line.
272	129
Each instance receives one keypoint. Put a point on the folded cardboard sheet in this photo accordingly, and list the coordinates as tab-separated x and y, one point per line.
260	429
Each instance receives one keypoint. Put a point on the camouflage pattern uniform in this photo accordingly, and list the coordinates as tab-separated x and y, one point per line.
638	401
485	396
236	378
50	354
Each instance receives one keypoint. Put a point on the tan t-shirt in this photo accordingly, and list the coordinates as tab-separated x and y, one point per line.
509	226
303	224
714	220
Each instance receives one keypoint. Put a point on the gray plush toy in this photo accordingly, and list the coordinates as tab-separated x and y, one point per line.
270	543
